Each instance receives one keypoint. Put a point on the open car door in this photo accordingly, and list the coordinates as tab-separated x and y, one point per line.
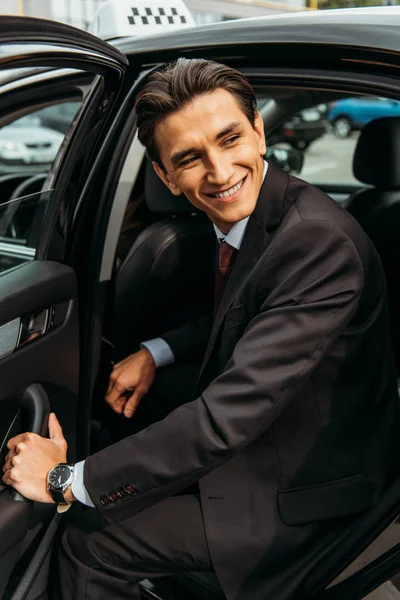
42	175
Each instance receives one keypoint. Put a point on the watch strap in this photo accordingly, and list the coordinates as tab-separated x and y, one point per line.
57	496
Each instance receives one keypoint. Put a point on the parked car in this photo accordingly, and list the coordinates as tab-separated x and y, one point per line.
303	128
57	290
352	114
25	143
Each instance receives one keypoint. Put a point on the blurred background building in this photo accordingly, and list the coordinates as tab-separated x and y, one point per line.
81	12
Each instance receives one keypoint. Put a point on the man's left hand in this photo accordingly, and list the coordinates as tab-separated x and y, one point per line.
31	457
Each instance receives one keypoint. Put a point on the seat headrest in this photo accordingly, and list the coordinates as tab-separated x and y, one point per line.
158	197
376	158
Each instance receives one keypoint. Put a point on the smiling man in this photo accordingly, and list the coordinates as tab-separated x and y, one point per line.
216	163
292	430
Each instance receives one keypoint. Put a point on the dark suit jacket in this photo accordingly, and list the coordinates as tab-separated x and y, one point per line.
293	431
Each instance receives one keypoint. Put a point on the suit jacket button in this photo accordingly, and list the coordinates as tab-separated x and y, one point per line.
130	489
113	496
121	492
104	499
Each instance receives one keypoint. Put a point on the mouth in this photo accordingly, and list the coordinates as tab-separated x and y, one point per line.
230	193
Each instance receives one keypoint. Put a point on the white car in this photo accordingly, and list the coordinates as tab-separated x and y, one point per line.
26	143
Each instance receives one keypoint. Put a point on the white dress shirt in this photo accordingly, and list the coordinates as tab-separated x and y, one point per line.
160	350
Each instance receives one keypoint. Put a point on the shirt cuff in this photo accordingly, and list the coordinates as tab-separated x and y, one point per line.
78	487
160	351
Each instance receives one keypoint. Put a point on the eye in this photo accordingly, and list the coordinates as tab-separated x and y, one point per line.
188	161
232	139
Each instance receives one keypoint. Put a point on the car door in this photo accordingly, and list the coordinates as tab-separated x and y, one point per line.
41	331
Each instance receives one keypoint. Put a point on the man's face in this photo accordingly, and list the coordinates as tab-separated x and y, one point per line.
213	155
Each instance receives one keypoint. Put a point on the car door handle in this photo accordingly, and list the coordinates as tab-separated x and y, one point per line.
35	409
33	326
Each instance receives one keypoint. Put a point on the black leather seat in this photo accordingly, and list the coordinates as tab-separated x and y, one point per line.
168	274
376	163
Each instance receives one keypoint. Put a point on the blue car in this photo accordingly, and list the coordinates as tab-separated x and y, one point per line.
353	113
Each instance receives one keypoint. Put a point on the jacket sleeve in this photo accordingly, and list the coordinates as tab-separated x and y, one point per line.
314	278
189	342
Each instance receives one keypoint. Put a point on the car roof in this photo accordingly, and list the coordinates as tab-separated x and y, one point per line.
374	27
368	28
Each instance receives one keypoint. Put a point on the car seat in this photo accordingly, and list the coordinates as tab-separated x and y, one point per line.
167	276
376	163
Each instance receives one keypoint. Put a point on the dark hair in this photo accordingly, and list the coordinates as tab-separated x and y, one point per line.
177	84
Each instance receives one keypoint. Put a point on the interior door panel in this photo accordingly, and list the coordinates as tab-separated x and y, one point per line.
15	510
43	64
38	374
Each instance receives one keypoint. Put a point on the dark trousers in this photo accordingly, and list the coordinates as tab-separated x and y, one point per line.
96	559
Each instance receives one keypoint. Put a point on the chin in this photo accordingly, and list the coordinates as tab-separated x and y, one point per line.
241	213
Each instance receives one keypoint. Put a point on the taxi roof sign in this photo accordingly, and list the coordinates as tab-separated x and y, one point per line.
127	18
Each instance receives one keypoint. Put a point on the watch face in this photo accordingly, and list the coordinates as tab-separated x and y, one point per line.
59	476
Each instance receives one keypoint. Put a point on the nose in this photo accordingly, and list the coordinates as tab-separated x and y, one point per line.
219	170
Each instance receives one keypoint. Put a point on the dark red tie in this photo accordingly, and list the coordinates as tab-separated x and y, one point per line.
226	259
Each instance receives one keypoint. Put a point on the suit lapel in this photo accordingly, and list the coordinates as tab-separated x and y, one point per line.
267	214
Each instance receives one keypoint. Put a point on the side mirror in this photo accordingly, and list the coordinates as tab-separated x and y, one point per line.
289	160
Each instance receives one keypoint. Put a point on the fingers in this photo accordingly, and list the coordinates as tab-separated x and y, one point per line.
116	397
12	476
12	459
55	429
13	442
121	382
123	368
10	469
8	465
130	377
7	478
9	457
133	402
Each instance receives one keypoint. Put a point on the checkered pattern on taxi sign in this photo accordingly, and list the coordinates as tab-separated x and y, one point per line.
156	16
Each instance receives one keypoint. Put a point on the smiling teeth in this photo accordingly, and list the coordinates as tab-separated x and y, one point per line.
229	192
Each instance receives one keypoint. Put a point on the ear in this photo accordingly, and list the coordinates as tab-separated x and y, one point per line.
166	180
259	130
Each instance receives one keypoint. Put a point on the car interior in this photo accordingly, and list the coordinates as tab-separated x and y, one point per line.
163	276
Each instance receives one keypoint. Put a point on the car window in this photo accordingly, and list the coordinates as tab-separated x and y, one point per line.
29	144
326	135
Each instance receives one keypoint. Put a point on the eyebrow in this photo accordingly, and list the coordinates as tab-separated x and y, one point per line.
180	155
228	129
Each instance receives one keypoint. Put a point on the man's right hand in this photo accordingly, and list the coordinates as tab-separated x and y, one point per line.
130	380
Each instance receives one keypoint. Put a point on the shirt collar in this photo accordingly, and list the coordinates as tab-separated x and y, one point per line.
235	236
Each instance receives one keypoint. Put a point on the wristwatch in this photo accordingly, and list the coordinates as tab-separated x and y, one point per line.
58	480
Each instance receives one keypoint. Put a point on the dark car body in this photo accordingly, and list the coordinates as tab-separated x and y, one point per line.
303	129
